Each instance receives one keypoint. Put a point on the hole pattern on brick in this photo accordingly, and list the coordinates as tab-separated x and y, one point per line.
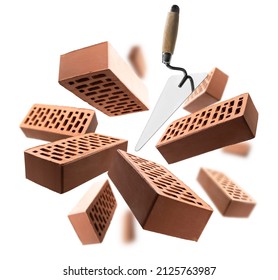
105	92
73	147
72	121
102	209
230	187
164	181
205	118
200	88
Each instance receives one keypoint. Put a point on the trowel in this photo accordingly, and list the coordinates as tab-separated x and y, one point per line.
177	89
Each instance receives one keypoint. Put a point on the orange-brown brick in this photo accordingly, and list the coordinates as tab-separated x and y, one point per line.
100	77
137	60
51	123
158	199
216	126
240	149
128	230
92	215
230	199
208	92
65	164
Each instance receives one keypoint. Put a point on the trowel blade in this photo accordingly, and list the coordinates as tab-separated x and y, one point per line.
171	98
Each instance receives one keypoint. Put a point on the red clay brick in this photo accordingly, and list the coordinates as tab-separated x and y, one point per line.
128	231
92	215
65	164
158	199
100	77
225	123
240	149
208	92
51	123
137	60
230	199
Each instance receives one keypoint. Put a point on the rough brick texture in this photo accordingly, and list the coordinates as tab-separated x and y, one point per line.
158	199
51	123
208	92
100	77
230	199
92	215
65	164
137	60
225	123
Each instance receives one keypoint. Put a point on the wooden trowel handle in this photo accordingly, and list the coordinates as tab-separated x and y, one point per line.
170	34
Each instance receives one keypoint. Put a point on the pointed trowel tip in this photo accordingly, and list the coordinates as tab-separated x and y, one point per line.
138	147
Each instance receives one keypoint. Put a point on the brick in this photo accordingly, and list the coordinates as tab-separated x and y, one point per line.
137	60
51	123
230	199
158	199
216	126
128	231
100	77
208	92
92	215
65	164
240	149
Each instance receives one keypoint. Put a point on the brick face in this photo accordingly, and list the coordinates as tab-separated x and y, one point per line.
65	164
51	123
100	77
160	201
208	92
229	198
216	126
92	215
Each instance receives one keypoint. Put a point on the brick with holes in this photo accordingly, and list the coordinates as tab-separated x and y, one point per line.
100	77
160	201
208	92
51	122
230	199
216	126
65	164
92	215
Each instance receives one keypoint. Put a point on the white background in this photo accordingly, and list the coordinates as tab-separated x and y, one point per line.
239	37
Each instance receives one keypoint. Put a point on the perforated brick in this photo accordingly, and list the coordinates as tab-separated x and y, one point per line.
51	123
208	92
92	215
240	149
225	123
230	199
137	60
158	199
100	77
65	164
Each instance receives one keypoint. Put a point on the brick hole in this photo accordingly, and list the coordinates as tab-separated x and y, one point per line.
237	111
221	117
223	109
96	83
82	86
109	84
188	200
98	76
71	83
81	80
169	194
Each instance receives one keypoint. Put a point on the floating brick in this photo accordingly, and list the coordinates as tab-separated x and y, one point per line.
158	199
51	123
100	77
128	227
92	215
240	149
136	59
65	164
228	197
219	125
208	92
